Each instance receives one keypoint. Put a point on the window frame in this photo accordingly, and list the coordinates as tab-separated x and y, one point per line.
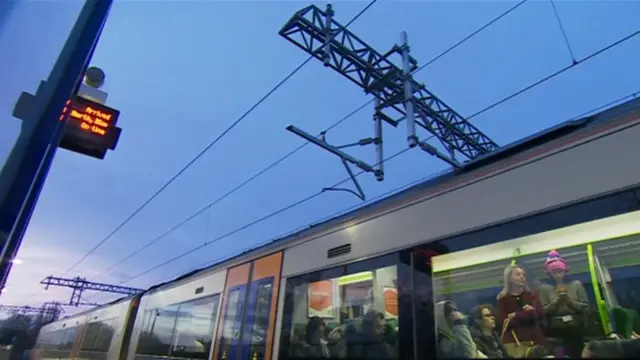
333	272
147	320
600	207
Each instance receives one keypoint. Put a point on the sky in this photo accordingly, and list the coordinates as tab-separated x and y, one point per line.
180	72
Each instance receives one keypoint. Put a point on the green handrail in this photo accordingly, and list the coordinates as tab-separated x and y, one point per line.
600	303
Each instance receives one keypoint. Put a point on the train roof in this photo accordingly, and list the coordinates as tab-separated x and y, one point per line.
94	309
565	129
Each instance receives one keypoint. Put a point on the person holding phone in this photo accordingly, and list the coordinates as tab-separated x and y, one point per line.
565	304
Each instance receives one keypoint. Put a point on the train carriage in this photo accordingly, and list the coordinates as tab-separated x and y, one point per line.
97	334
573	189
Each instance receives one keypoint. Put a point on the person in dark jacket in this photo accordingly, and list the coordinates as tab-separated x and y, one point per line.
565	305
314	345
483	324
375	345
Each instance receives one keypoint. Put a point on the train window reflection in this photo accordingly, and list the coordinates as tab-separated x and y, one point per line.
194	328
549	293
231	327
182	330
260	320
349	316
105	335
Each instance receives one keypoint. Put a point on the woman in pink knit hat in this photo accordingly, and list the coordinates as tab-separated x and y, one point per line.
565	304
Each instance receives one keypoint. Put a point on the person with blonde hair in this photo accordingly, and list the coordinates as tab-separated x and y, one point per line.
520	312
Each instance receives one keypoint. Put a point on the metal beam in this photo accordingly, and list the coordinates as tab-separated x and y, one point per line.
347	159
400	96
79	285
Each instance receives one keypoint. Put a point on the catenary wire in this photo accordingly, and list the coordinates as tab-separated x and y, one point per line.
224	196
388	193
299	202
553	75
564	33
208	147
396	190
291	153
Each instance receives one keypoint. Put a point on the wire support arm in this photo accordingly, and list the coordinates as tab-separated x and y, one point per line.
344	157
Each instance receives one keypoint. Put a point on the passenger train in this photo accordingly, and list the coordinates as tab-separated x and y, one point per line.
574	188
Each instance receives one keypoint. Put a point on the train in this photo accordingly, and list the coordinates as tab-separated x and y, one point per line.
573	188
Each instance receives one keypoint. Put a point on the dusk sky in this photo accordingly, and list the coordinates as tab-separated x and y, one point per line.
181	72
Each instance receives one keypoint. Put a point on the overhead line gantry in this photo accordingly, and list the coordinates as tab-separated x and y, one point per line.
79	285
397	95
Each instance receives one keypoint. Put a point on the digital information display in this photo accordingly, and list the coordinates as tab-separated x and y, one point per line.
91	127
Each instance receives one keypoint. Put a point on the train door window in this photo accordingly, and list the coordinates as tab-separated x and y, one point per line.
232	321
349	311
257	319
194	328
156	339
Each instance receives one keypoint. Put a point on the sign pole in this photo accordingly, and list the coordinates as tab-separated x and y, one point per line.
25	171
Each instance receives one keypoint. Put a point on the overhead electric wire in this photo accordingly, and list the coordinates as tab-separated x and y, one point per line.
387	193
564	33
322	219
299	202
551	76
225	195
280	160
474	33
254	222
209	146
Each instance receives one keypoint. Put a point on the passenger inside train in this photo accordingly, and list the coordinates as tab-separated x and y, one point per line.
349	316
582	306
482	321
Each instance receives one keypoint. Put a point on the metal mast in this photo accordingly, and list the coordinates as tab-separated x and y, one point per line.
398	96
79	285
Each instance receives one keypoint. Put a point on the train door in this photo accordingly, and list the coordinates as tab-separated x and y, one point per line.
233	307
249	308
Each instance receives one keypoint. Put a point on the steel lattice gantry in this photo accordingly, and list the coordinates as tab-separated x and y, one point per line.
79	285
50	311
398	96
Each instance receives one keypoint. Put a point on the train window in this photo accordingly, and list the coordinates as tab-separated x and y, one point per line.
182	330
89	342
105	335
98	336
350	311
194	328
56	339
551	291
45	340
156	338
68	338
